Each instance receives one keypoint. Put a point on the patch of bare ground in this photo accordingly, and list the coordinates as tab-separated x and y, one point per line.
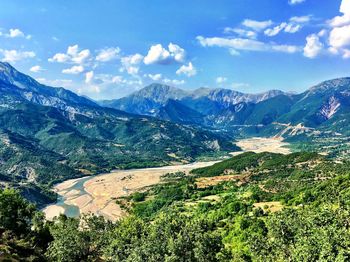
269	206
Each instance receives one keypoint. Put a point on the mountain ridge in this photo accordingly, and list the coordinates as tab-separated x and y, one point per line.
55	127
317	107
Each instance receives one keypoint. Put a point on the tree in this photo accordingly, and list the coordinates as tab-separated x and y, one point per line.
15	212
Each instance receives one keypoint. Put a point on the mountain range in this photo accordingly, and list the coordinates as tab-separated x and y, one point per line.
51	134
324	106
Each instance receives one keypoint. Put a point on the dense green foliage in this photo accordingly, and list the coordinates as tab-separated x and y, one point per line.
288	208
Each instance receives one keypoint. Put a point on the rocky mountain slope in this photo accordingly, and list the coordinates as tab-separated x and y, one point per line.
51	134
325	106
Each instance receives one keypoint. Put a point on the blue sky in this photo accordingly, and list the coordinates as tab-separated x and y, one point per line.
107	49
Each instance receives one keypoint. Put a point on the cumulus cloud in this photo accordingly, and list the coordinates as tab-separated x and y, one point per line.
36	69
188	70
245	44
130	63
313	46
177	52
343	19
257	25
15	33
13	56
295	2
339	36
108	54
74	70
157	54
73	55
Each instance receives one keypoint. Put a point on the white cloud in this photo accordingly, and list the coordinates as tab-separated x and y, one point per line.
177	52
13	56
89	77
295	2
73	55
130	63
257	25
59	58
155	77
220	80
290	28
343	19
157	54
340	37
188	70
241	32
132	59
15	33
291	49
300	19
108	54
74	70
295	24
313	46
275	30
36	69
246	44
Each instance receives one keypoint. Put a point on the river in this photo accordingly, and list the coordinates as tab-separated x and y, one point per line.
97	194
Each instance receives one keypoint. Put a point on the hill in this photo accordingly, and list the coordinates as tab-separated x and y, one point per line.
252	207
51	134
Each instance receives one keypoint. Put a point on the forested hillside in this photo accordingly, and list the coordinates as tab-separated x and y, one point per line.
253	207
50	134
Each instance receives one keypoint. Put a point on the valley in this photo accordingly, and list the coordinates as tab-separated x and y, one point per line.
98	194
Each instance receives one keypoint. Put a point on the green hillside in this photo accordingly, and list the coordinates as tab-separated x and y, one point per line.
253	207
51	134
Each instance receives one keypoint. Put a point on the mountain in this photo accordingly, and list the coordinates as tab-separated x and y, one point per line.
177	112
51	134
16	84
150	99
147	100
325	106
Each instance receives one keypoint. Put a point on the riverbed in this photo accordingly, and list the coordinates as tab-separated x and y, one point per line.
98	194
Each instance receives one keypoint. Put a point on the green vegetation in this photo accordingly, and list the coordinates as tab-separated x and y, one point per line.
273	208
43	145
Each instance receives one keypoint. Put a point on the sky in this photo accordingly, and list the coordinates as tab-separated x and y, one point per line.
108	49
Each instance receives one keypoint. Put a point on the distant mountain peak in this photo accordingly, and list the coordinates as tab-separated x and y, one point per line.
160	92
10	75
333	84
31	90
